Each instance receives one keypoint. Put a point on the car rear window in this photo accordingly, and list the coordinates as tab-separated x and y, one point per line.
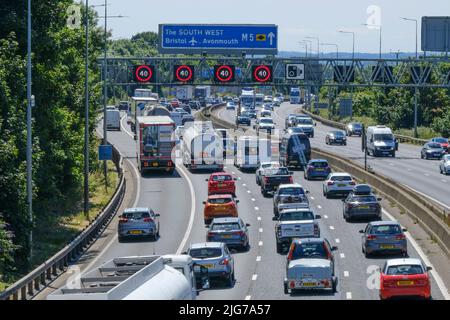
224	177
220	200
405	270
309	250
202	253
291	191
357	125
276	171
225	226
386	229
321	164
293	216
341	178
136	215
441	140
364	199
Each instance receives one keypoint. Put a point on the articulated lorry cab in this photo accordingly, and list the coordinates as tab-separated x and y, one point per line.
167	277
155	143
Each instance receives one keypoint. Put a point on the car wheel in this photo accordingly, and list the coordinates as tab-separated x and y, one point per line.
334	285
366	254
286	290
120	239
279	247
230	280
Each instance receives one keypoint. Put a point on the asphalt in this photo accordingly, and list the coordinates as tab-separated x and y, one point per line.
259	271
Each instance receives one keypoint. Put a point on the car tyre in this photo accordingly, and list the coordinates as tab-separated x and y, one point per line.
286	290
121	239
279	247
334	285
230	280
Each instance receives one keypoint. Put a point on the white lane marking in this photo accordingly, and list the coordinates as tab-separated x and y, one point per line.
348	295
312	198
319	206
260	229
443	180
192	215
346	274
391	164
244	185
233	172
254	277
425	260
427	174
427	196
114	238
331	228
342	256
260	243
258	258
248	191
253	199
256	208
338	241
239	178
248	297
259	218
325	216
125	129
409	169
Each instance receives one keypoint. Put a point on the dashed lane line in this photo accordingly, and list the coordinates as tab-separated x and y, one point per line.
348	295
254	277
346	274
331	228
258	258
342	256
248	297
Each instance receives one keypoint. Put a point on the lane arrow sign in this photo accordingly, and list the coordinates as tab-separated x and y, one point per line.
271	36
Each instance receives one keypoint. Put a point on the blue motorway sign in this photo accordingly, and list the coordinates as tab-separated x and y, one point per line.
104	152
218	39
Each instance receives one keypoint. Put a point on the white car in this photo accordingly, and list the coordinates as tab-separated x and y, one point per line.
265	165
231	106
267	106
268	99
338	183
444	165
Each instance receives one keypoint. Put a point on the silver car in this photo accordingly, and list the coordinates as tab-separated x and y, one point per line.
384	237
232	231
444	165
137	223
214	256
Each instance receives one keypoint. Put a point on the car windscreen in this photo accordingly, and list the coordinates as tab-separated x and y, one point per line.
356	125
291	191
298	215
309	250
337	133
407	269
341	178
321	164
219	200
363	199
225	226
202	253
276	171
266	120
386	229
136	215
383	137
224	177
296	130
304	121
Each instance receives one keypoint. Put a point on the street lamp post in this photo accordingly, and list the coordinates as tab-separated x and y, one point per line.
379	28
318	42
306	48
86	117
310	45
332	44
29	137
353	35
414	20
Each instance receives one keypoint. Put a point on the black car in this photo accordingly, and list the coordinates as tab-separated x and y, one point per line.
336	137
194	105
243	119
252	114
187	108
354	128
432	150
123	106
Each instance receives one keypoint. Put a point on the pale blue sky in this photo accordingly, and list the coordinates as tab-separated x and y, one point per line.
295	19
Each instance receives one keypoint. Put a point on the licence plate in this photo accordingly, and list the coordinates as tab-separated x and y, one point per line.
386	246
308	284
135	232
209	266
319	169
226	236
405	283
155	164
341	185
221	185
364	207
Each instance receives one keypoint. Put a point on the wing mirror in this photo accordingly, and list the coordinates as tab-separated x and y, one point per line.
204	202
334	248
379	199
206	180
237	201
157	215
429	268
404	229
274	218
361	231
247	224
235	179
307	191
135	137
291	173
315	124
318	216
343	200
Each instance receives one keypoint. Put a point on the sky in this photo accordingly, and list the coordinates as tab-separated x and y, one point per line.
296	19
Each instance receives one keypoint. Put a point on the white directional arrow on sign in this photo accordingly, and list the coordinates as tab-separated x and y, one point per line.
271	36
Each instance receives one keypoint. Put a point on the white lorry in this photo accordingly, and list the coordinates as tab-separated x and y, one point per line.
167	277
185	93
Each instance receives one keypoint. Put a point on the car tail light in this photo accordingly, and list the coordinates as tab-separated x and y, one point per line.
326	283
349	206
291	179
148	220
371	237
330	183
123	220
210	234
421	282
316	230
400	237
388	283
224	262
266	179
292	284
239	233
169	163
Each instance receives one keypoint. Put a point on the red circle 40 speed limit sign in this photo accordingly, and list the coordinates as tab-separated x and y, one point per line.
262	73
184	73
143	73
224	73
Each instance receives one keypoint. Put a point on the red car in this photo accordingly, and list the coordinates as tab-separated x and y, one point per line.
443	142
405	278
221	183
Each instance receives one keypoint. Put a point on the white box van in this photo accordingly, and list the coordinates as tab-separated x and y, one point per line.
380	141
113	119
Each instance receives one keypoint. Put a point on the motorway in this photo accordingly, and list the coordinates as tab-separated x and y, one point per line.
260	271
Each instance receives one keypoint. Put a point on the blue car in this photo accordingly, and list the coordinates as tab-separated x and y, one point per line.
232	231
317	168
244	120
384	237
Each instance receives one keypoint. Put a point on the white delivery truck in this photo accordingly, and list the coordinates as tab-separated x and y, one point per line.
381	141
185	93
202	146
112	119
167	277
